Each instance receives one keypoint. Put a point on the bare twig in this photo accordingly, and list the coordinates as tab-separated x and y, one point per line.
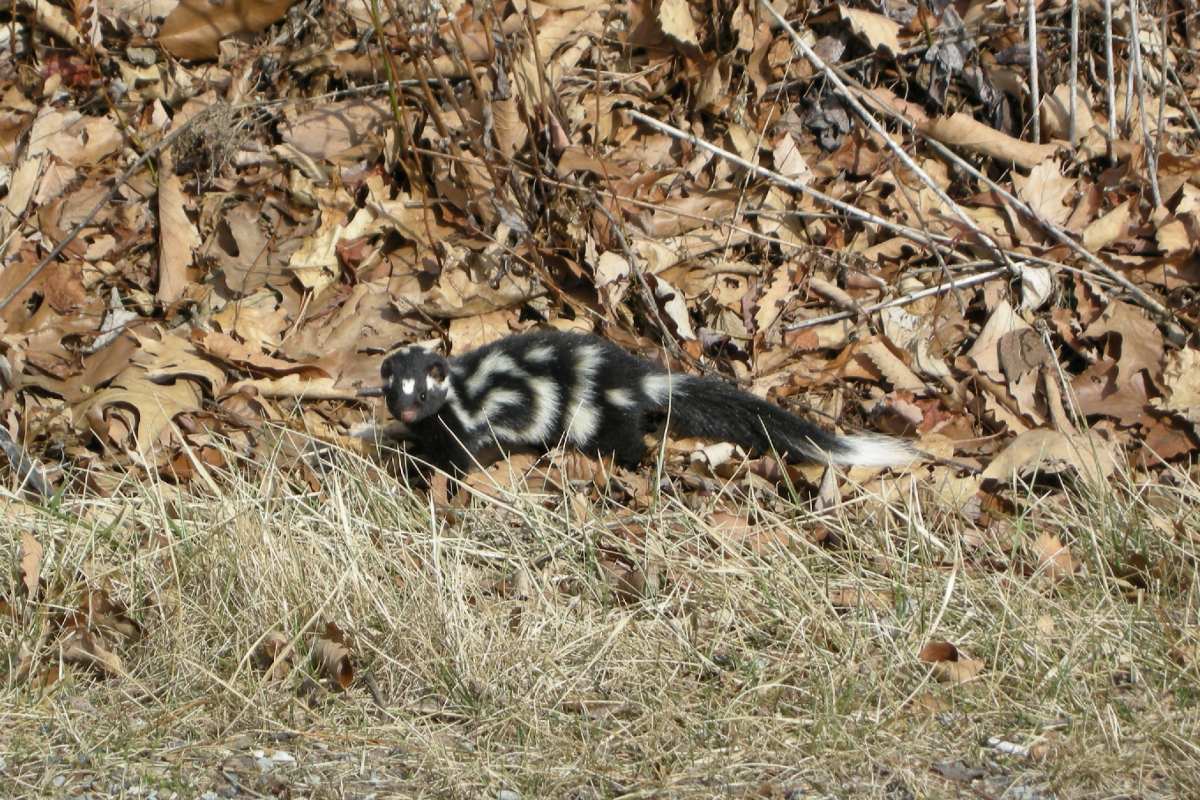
101	203
878	130
929	291
919	236
1110	82
1175	334
1140	83
1074	73
1035	94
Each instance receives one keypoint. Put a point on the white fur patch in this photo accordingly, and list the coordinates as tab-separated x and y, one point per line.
544	416
407	385
479	422
542	354
433	385
496	362
582	413
661	386
620	398
873	450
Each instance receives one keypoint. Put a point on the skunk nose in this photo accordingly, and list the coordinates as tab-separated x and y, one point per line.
408	415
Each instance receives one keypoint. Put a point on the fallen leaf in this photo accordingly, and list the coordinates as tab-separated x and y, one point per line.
195	28
961	130
675	17
1181	385
1053	452
29	555
1053	557
948	664
331	652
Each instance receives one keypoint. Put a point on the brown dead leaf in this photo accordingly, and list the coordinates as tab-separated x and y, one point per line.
85	648
737	529
178	238
331	652
1181	385
847	597
273	657
961	130
675	17
29	556
1054	559
195	28
1053	452
1141	341
1110	228
948	664
875	29
1046	191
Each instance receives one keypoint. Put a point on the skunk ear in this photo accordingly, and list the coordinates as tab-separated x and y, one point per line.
437	371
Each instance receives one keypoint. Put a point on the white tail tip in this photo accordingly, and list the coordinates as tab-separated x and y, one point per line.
873	450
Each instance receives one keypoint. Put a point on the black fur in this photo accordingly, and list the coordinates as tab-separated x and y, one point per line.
532	391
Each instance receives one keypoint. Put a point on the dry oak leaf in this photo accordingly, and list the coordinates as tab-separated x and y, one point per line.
895	371
875	29
675	17
1052	452
985	351
1178	236
341	133
1141	341
1181	385
30	557
274	657
962	130
86	648
1054	558
1045	190
178	238
948	664
196	27
332	655
1110	228
759	539
140	401
72	138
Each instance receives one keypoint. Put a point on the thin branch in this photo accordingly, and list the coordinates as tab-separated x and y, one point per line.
919	236
1110	92
1074	83
878	130
1035	93
104	201
941	288
1175	334
1140	83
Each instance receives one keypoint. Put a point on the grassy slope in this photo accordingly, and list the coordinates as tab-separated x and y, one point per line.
735	675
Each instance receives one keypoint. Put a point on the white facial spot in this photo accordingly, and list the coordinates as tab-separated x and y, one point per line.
433	385
407	385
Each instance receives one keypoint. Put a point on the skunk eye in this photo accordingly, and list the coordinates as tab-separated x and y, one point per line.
422	397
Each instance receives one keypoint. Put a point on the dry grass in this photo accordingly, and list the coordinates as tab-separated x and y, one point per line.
734	674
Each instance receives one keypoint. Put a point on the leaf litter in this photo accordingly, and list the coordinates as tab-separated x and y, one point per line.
217	219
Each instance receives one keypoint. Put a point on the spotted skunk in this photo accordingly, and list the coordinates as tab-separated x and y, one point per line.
532	391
